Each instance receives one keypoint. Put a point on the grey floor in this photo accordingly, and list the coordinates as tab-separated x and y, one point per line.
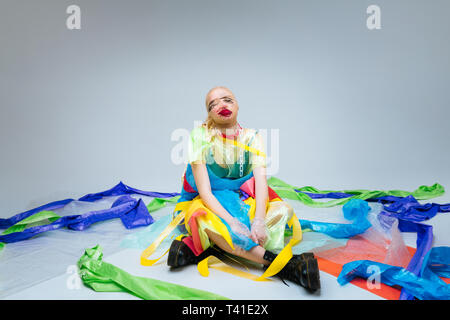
62	282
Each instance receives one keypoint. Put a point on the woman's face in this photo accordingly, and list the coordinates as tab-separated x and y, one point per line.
222	106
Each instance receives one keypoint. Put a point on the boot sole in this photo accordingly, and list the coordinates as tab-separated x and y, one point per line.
172	259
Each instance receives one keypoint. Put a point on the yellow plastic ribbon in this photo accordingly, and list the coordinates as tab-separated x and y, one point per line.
190	207
216	263
187	208
151	249
280	261
243	146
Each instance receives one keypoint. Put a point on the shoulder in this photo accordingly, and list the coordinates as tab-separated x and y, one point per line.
199	131
200	134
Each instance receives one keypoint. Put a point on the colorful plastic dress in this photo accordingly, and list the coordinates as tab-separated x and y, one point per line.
230	163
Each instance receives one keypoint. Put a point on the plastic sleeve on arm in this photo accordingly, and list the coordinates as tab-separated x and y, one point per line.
198	145
258	160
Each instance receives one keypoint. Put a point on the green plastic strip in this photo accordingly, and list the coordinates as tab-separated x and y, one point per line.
158	203
39	218
104	277
287	191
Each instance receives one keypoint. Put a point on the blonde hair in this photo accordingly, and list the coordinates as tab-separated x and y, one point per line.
209	122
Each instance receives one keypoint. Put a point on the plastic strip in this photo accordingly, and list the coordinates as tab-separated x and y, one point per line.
420	287
355	210
119	189
104	277
285	190
132	212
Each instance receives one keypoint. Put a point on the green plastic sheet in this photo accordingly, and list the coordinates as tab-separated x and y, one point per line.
285	190
158	203
105	277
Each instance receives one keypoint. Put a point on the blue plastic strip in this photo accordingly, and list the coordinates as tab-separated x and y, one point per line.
119	189
355	210
424	288
132	212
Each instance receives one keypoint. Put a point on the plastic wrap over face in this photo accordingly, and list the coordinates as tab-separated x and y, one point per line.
53	253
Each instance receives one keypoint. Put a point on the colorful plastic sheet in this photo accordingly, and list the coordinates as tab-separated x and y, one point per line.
285	190
423	243
49	254
225	190
104	277
132	212
119	189
355	210
406	208
428	287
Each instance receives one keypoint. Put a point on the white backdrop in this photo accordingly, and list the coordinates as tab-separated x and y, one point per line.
84	109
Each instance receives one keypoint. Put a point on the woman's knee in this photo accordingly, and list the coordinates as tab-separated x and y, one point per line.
278	210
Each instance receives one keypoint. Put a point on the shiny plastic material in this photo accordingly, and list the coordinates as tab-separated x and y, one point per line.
104	277
119	189
427	287
132	212
285	190
355	210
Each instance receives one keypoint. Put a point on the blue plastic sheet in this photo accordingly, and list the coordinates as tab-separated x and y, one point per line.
8	222
406	208
123	189
132	212
436	264
427	287
355	210
423	244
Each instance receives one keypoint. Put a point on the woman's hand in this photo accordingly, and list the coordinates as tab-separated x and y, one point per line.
239	228
259	231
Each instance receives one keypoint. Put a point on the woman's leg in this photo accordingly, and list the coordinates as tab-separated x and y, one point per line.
255	254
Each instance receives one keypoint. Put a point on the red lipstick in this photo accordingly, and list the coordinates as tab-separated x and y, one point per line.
225	112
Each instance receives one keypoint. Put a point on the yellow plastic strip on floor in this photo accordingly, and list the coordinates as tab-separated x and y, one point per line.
149	251
217	264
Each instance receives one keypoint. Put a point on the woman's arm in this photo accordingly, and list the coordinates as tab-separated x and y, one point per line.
204	190
261	193
258	232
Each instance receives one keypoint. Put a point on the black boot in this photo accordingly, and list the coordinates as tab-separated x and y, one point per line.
304	272
304	256
181	255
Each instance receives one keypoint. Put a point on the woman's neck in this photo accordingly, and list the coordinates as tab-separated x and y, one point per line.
229	130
